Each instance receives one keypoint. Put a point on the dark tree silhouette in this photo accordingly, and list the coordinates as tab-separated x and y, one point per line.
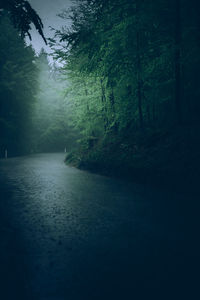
22	16
178	60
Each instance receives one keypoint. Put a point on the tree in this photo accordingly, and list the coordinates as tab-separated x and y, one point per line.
18	86
138	61
22	15
178	60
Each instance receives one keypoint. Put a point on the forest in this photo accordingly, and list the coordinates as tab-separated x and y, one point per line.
122	97
99	149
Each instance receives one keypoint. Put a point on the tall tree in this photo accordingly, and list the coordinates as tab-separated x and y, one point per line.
138	64
18	84
132	54
22	15
178	60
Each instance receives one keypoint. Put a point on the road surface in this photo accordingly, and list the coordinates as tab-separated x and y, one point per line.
68	234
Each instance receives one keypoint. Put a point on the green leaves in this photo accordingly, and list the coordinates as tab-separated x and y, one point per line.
22	16
18	84
119	61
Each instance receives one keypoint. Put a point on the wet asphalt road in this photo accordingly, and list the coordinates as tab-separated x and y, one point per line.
68	234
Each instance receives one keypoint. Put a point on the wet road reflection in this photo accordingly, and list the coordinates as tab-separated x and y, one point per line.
69	234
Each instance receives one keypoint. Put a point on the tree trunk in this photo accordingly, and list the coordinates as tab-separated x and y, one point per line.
138	63
154	114
103	100
178	61
148	115
86	94
112	103
139	84
112	100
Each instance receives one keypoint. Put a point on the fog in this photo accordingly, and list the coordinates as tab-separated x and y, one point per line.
48	11
51	130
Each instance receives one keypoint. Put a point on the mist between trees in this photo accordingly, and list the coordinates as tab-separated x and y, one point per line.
126	98
33	113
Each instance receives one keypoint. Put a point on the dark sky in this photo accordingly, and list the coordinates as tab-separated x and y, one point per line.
48	10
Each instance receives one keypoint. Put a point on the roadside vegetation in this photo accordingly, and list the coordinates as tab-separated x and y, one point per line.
124	98
132	68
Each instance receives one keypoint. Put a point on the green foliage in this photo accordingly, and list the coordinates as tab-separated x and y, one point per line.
130	47
18	83
132	68
22	16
